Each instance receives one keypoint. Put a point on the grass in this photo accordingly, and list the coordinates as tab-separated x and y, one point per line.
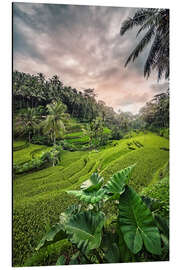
79	137
25	154
19	143
39	197
74	135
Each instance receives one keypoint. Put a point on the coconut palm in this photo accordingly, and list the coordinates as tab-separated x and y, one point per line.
53	125
26	122
156	24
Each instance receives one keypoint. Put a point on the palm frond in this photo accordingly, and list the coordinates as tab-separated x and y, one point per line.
142	44
151	56
139	18
156	21
146	25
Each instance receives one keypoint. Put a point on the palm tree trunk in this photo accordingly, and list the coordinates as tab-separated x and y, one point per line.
54	138
29	137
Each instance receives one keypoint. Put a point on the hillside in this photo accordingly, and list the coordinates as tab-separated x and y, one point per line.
39	197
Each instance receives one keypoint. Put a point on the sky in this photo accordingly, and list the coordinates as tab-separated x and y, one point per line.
83	46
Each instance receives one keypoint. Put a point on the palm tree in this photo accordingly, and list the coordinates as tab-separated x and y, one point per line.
27	122
53	125
156	22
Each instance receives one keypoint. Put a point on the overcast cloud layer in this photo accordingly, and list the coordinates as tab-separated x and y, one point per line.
82	45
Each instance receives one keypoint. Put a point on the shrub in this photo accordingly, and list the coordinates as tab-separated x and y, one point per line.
164	132
160	192
67	145
103	140
117	134
41	140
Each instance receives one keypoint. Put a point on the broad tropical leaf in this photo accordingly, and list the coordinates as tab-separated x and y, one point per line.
88	197
93	183
55	234
70	211
85	228
137	224
125	254
163	226
117	182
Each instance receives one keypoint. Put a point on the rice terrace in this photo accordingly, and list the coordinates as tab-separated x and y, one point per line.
90	160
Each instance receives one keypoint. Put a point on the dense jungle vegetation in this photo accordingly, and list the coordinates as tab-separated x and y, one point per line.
91	185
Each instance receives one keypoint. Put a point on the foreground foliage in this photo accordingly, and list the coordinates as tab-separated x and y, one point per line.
137	235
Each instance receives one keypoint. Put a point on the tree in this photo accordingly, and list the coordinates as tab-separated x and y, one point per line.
156	112
95	131
27	122
156	22
53	125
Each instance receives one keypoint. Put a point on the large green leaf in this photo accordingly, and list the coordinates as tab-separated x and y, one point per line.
137	224
163	226
85	228
55	234
88	197
125	254
93	183
116	184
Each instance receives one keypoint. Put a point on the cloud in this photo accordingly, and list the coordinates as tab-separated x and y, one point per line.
160	87
83	46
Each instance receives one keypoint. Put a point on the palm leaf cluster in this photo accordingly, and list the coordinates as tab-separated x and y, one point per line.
26	123
154	24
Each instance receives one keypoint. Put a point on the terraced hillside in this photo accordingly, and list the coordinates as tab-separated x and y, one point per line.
39	197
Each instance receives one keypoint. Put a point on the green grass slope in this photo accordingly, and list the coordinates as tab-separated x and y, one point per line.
39	197
27	152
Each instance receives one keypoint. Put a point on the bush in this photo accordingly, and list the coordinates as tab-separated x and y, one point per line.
164	132
103	140
160	192
117	134
41	140
67	146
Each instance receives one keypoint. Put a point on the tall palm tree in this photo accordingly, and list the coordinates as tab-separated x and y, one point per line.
53	125
156	24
